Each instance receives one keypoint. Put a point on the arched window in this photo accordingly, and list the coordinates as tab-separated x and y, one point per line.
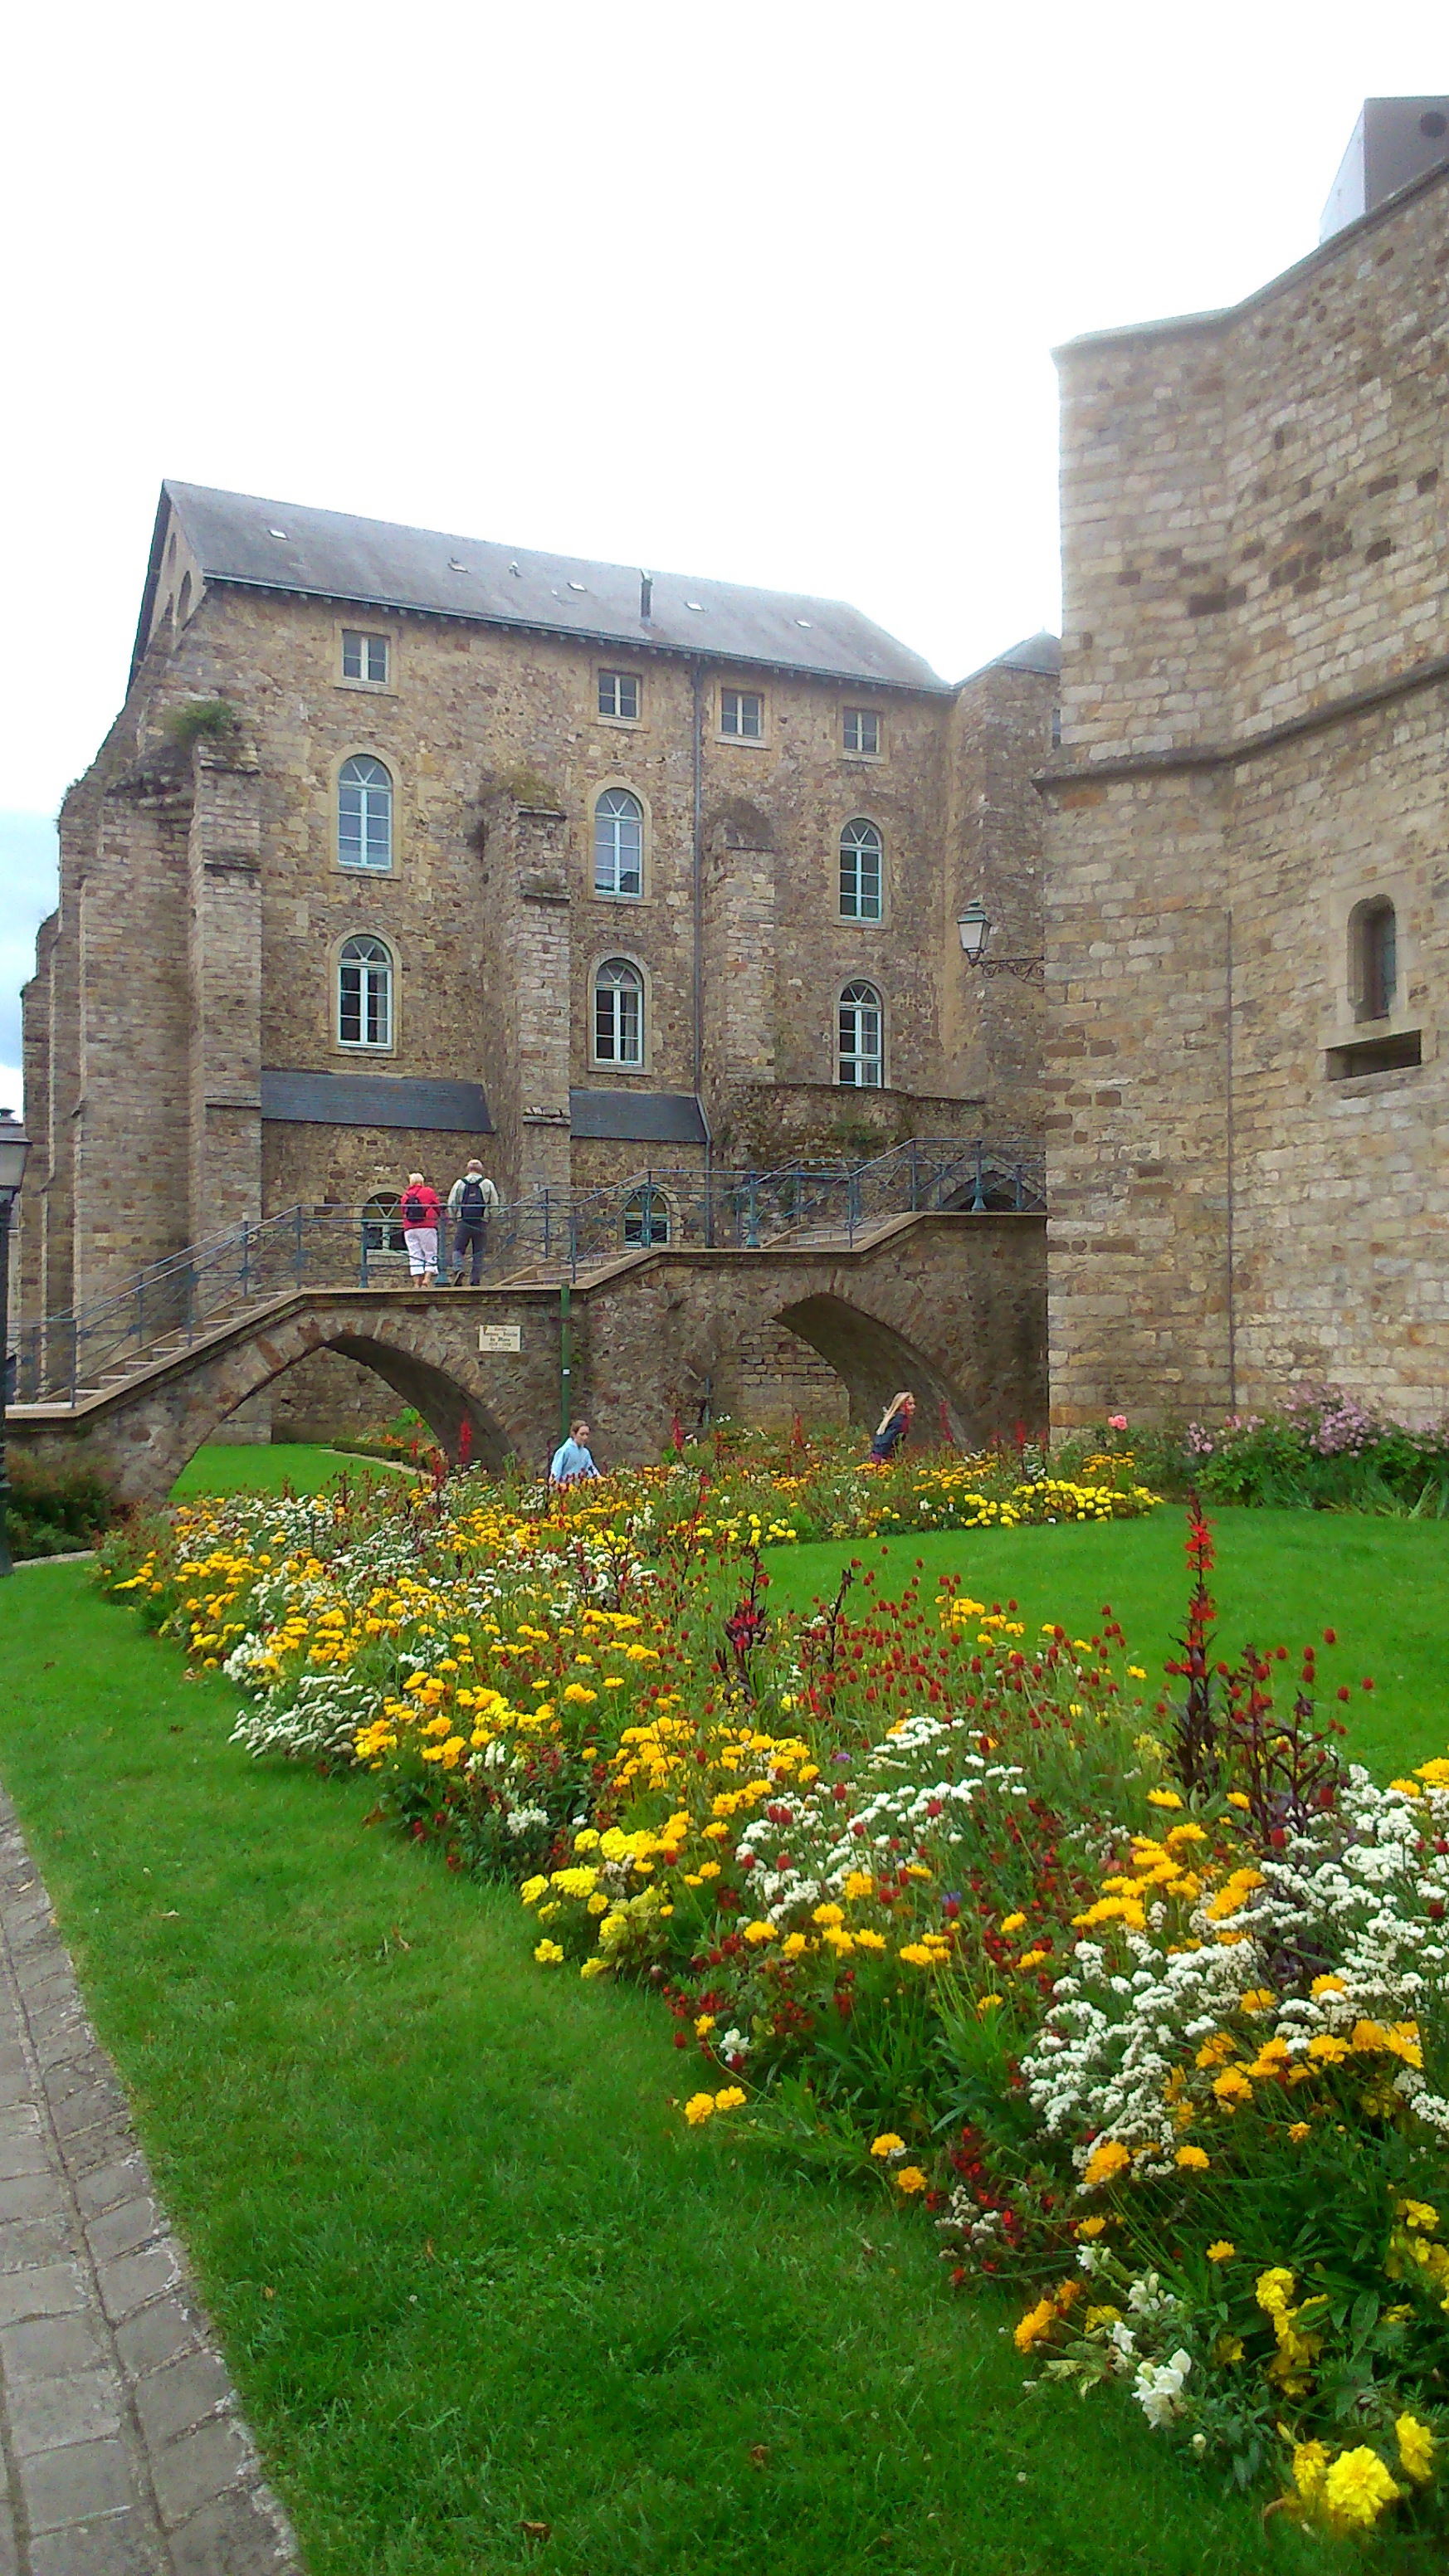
618	1013
860	871
364	813
860	1037
618	843
1373	960
646	1218
382	1229
364	993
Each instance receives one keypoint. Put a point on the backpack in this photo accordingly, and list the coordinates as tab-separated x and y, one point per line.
472	1207
415	1210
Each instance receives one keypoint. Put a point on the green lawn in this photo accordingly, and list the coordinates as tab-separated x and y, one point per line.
1281	1578
470	2271
256	1467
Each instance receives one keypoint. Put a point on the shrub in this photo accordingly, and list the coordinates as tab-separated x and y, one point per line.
52	1512
201	720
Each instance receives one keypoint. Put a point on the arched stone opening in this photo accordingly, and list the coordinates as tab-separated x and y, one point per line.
444	1405
874	1362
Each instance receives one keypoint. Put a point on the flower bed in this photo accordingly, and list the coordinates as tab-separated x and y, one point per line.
1139	1996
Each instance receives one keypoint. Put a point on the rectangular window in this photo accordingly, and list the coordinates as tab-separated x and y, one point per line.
619	695
364	657
862	731
742	714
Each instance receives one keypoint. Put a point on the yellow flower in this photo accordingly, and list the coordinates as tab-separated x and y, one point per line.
829	1915
1013	1922
1089	2227
595	1967
1192	2159
758	1932
1310	2466
1416	2447
731	2098
700	2106
1232	2088
1037	2322
1420	2215
704	2023
888	2144
1163	1798
1031	1959
1223	2251
984	2003
870	1941
909	2178
859	1883
1105	2163
548	1954
1274	2289
576	1692
532	1889
1357	2488
916	1955
1298	2131
1328	2050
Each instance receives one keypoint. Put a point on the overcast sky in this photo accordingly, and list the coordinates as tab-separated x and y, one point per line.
766	294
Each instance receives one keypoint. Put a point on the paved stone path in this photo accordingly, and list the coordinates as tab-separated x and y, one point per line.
122	2452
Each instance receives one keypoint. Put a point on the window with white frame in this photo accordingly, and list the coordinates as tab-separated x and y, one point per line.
364	657
619	695
618	1013
862	732
742	714
859	1038
364	993
861	855
646	1218
364	813
618	843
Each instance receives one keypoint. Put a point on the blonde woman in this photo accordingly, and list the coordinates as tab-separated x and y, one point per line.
893	1427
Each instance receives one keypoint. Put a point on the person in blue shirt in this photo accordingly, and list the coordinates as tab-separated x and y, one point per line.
572	1459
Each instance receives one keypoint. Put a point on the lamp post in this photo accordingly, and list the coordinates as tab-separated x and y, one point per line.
974	929
14	1147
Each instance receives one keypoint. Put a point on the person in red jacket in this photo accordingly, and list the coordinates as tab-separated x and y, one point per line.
422	1211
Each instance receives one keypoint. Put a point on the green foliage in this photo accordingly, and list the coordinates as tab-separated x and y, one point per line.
201	720
55	1511
1322	1451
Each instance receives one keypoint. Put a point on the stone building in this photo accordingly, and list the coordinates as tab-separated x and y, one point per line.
1247	842
405	846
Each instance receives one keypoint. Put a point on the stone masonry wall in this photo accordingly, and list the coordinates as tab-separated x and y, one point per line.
1255	736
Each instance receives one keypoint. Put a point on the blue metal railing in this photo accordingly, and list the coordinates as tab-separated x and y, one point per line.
556	1233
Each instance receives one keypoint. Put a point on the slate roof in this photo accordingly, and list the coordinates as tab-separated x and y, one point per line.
638	1117
325	554
376	1100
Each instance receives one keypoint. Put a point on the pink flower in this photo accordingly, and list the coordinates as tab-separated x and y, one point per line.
1116	1421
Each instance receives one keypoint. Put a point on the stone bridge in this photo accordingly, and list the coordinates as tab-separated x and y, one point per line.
951	1305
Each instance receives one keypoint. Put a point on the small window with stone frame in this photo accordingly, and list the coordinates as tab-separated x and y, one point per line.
1373	961
364	993
619	1014
364	657
620	695
742	715
862	732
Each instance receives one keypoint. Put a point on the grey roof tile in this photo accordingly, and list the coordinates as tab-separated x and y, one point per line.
276	545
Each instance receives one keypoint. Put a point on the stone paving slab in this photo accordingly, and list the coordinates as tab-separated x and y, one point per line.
122	2448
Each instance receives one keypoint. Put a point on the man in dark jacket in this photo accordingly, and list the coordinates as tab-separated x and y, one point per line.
471	1202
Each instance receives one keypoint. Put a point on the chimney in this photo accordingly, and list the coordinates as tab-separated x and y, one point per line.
1395	141
646	596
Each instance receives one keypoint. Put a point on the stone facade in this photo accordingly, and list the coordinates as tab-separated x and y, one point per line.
1246	1139
204	905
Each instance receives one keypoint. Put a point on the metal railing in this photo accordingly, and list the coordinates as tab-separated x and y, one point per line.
550	1235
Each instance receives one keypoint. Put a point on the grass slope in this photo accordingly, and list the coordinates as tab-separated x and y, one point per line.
260	1467
469	2270
1281	1578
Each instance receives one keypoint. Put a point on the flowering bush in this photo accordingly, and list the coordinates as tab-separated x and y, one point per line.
1321	1451
1139	1996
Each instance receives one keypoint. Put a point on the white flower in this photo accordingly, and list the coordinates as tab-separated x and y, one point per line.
1158	2387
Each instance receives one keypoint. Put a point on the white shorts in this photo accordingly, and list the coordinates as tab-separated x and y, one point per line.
422	1244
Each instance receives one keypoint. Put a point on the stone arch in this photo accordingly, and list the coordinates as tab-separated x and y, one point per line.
143	1438
874	1361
